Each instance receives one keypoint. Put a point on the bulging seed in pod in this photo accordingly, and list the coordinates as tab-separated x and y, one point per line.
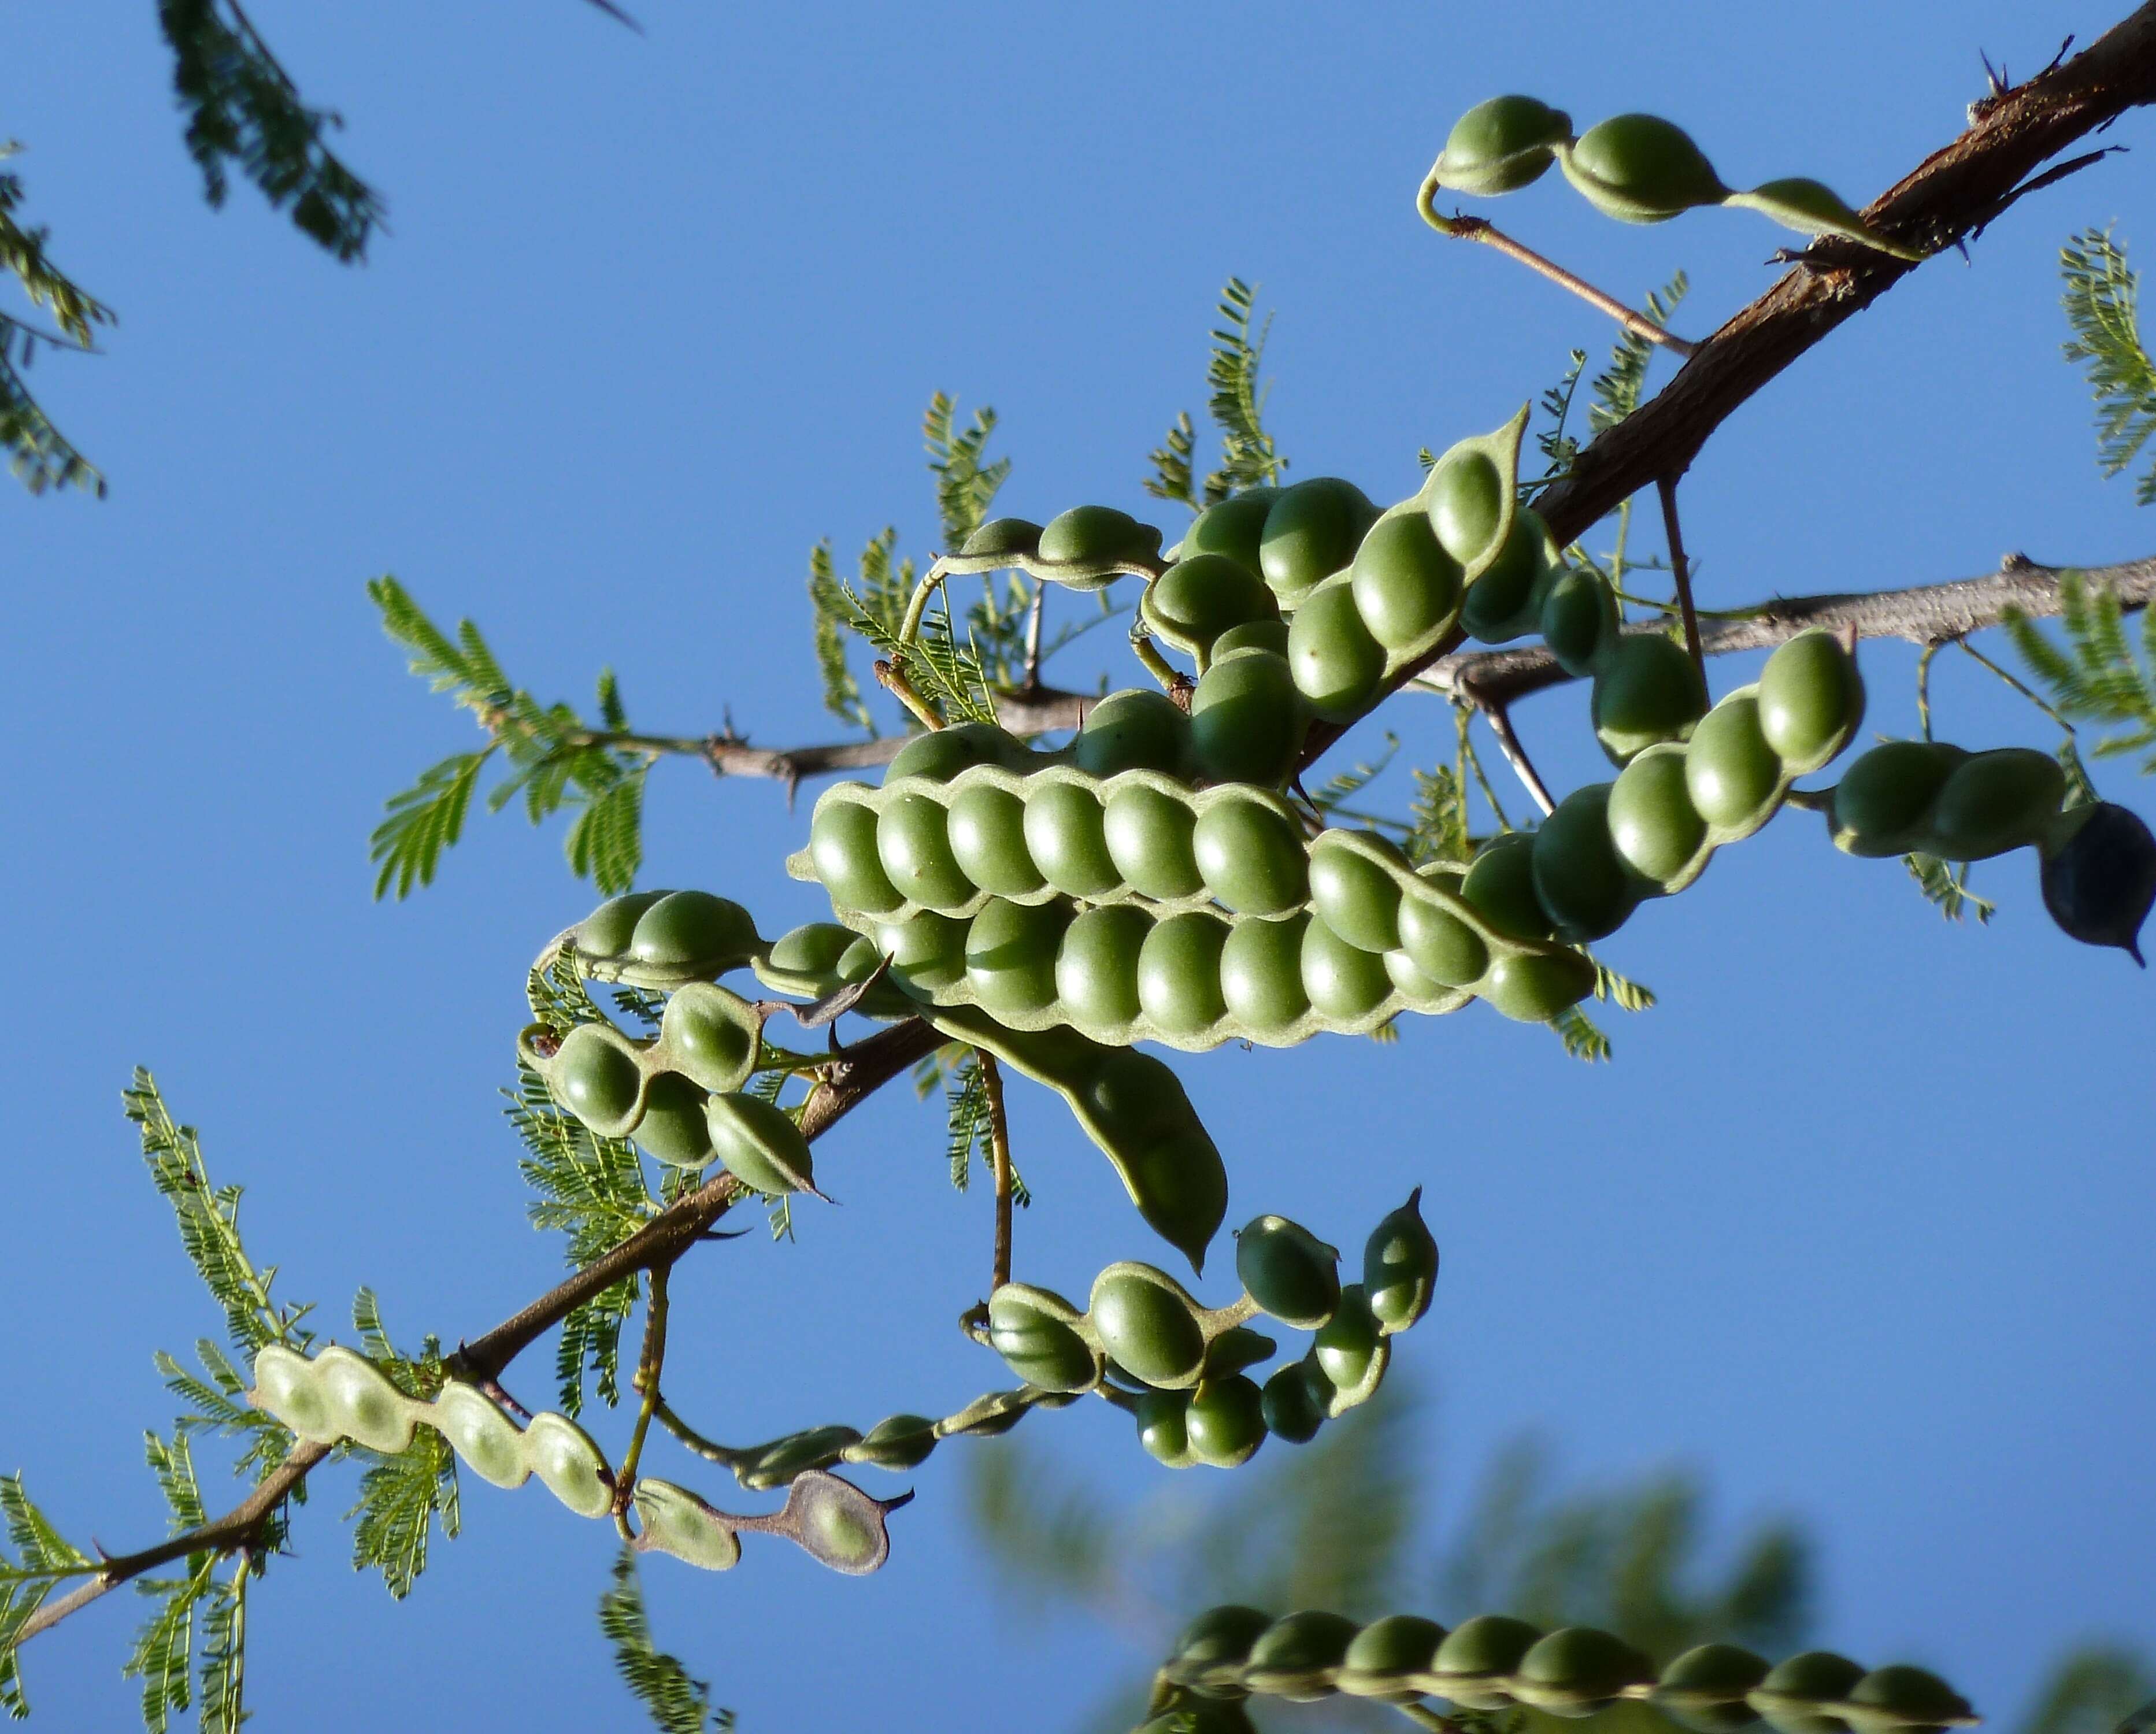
1730	771
1645	690
1179	973
1311	532
941	754
1209	1655
1344	982
1251	855
1501	145
1352	893
1066	834
1405	584
674	1129
927	953
1399	1267
841	848
1225	1422
1351	1351
597	1079
1477	1658
1901	1700
1705	1688
1096	968
1995	800
1163	1419
1640	168
759	1144
2100	881
1145	1320
1204	595
1577	1670
1294	1402
1337	663
1010	956
987	840
605	932
1135	729
1247	720
1578	879
1298	1657
1794	1693
1088	535
1261	975
712	1034
1884	795
1234	527
1386	1655
1149	833
1811	699
685	927
1656	830
1002	537
1288	1271
1031	1329
913	846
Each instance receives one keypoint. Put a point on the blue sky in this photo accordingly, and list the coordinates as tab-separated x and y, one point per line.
1856	1222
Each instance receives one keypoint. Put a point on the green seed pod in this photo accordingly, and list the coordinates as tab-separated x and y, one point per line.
1210	1654
1578	877
987	841
1234	527
1236	1349
1353	895
1164	1428
1422	994
1262	975
606	930
1002	538
1312	531
1444	947
1032	1330
1388	1656
709	1035
1645	690
1791	1697
842	845
913	846
1336	662
1179	973
1505	598
1351	1351
1811	699
1091	535
1299	1657
1096	969
1730	770
1066	834
1134	729
1470	500
1010	955
673	1521
1883	798
1294	1402
1501	145
1501	884
1704	1689
897	1442
1225	1422
1147	1322
1903	1700
927	953
1579	620
836	1524
1813	209
1399	1267
1268	635
1532	987
1406	585
941	754
1576	1671
1345	983
1995	800
568	1465
1475	1663
809	954
1247	720
1149	837
685	927
2099	878
1638	168
759	1144
596	1077
783	1461
361	1403
1656	830
1202	596
674	1129
1289	1271
1250	852
489	1443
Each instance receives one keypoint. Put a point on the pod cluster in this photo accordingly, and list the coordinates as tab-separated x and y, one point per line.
2098	861
1637	168
1194	1402
1492	1662
1611	846
337	1396
678	1095
662	940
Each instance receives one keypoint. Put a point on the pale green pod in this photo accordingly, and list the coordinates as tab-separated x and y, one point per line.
676	1521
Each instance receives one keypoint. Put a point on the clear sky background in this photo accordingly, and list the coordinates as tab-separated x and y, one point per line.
1857	1222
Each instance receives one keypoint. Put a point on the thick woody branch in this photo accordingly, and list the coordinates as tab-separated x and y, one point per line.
1929	614
850	1079
1951	195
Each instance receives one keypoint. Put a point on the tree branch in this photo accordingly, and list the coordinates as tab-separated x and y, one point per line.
1928	614
853	1075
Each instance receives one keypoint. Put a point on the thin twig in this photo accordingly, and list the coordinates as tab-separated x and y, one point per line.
1924	684
1033	619
1477	228
893	680
1516	755
2020	685
1681	572
1000	1158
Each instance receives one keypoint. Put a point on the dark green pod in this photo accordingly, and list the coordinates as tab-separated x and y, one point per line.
1288	1271
1647	690
1399	1267
1210	1656
1883	798
1298	1657
685	927
1404	582
1094	534
605	932
1234	527
1294	1402
1501	145
1136	729
1475	1661
1032	1330
1579	882
1164	1428
1225	1422
1007	538
1903	1700
1147	1323
1993	802
1247	720
1388	1656
674	1129
1351	1351
1578	619
1705	1688
1794	1695
784	1459
1505	598
1640	168
1337	663
1501	884
896	1442
941	754
2100	879
1237	1349
1534	987
1202	596
1811	699
759	1144
1577	1670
